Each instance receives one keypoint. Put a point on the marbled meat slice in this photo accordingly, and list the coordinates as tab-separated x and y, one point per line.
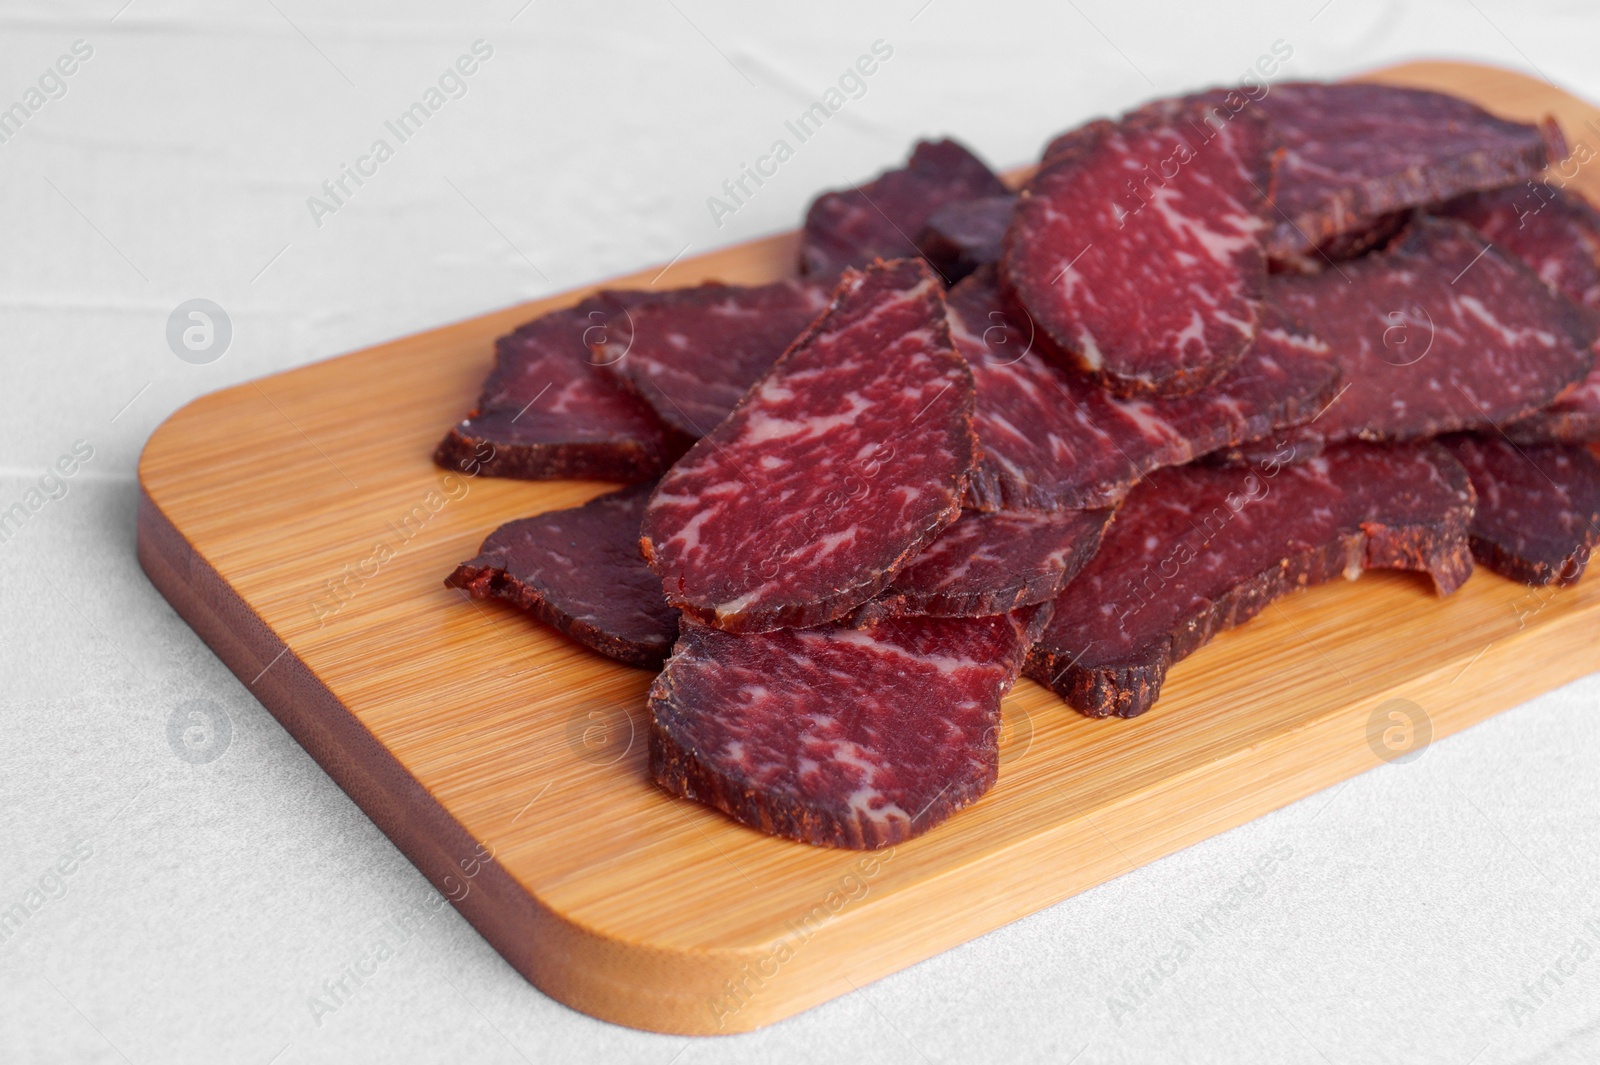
1352	153
993	563
545	413
1199	549
579	570
691	353
962	236
1439	332
1557	234
838	736
1136	248
881	219
1538	516
848	457
1572	419
1051	439
1269	454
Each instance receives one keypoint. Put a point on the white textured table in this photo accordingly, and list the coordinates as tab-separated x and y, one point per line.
158	908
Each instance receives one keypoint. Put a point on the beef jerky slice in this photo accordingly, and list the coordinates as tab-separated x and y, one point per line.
1437	333
579	570
1055	439
838	736
1135	249
1572	419
993	563
545	413
1557	234
1351	154
691	353
1538	516
1271	453
1199	549
962	236
881	219
840	464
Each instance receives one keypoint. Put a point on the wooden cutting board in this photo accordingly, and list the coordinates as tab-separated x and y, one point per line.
298	525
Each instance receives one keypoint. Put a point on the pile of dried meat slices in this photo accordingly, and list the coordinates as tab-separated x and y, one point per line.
1223	347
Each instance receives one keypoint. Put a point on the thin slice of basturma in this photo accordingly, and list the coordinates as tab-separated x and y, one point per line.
579	571
1439	332
1136	252
691	353
993	563
1050	438
545	413
1351	155
1572	419
838	736
1557	234
1538	516
881	219
1199	549
848	457
962	236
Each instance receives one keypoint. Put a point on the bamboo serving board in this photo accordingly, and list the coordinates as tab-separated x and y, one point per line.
298	524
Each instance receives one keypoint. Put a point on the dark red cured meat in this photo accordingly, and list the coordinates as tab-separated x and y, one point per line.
691	353
579	570
1055	439
1136	248
1437	333
1353	153
838	736
1270	454
1199	549
962	236
545	413
1538	516
1352	244
1557	234
993	563
838	466
881	219
1573	419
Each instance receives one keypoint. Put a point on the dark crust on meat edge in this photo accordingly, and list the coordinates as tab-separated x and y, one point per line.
1367	206
487	582
1554	427
1514	567
626	461
680	771
1129	689
841	601
1507	562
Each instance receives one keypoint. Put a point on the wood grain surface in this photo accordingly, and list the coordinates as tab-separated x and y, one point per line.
298	525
